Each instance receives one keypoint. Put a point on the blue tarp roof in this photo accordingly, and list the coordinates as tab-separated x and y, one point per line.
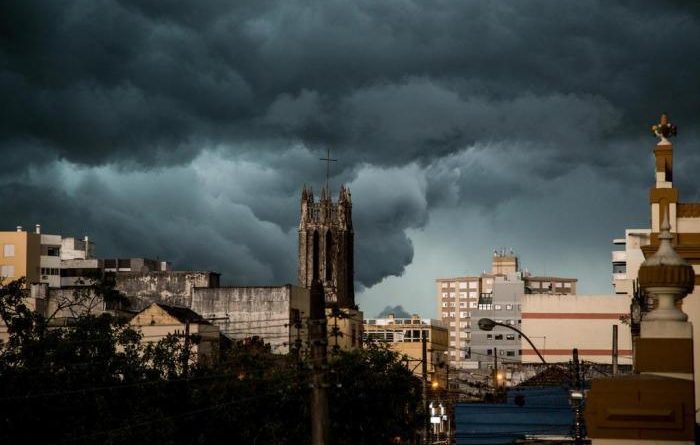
546	411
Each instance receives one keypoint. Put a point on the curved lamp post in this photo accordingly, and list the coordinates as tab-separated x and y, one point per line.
486	324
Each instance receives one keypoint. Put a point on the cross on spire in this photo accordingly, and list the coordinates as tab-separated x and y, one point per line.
328	166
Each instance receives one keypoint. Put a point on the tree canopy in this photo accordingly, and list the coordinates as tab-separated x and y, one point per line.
92	380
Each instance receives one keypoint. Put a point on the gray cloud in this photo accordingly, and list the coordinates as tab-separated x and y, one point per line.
147	122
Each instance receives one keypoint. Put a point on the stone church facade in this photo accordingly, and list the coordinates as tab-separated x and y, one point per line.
326	248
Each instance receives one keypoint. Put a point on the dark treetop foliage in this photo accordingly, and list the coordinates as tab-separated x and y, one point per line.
92	381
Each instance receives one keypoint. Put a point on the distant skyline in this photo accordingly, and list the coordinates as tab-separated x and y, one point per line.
186	130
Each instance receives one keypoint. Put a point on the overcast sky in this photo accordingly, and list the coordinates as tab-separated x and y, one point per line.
185	130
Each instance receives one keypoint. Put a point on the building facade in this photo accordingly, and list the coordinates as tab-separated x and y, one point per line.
276	314
462	301
404	335
557	324
326	245
684	221
159	320
20	256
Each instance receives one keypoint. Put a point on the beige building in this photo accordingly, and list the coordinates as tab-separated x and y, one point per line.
20	256
159	320
684	220
404	335
557	324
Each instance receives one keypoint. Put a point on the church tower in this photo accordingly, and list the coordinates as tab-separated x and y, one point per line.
326	246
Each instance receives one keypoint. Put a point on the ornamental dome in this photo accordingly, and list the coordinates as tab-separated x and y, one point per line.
666	268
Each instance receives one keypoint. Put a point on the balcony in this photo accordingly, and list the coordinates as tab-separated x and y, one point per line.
619	256
619	276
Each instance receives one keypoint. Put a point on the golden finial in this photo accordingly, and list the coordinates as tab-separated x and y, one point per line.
664	129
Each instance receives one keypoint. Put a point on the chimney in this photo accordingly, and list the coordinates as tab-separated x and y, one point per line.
19	228
37	229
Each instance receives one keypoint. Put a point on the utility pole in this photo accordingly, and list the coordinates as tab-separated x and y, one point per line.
424	368
318	341
186	352
615	350
576	400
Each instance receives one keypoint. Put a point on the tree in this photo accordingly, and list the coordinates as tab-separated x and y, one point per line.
92	380
374	398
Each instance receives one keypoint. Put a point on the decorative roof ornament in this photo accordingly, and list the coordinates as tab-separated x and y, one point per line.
666	277
666	255
664	129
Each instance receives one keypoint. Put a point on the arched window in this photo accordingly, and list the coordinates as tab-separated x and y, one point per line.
329	256
315	264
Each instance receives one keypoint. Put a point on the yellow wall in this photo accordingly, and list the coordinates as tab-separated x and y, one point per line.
349	329
155	324
27	256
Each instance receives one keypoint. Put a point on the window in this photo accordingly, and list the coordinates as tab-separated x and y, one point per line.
497	307
53	251
473	285
489	352
453	304
445	314
509	307
7	271
444	304
463	285
452	294
510	336
501	352
472	305
462	304
462	295
472	294
9	250
489	336
568	285
510	353
499	337
484	307
445	295
463	314
452	314
511	322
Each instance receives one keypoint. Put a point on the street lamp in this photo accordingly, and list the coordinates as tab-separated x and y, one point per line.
486	324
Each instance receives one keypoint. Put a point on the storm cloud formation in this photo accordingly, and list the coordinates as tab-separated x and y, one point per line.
185	129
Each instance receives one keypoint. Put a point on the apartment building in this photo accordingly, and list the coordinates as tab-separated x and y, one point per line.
462	301
20	255
404	335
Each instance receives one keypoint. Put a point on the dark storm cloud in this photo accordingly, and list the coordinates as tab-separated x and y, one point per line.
480	102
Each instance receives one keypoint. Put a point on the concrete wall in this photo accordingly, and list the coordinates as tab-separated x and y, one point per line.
558	323
265	311
174	288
